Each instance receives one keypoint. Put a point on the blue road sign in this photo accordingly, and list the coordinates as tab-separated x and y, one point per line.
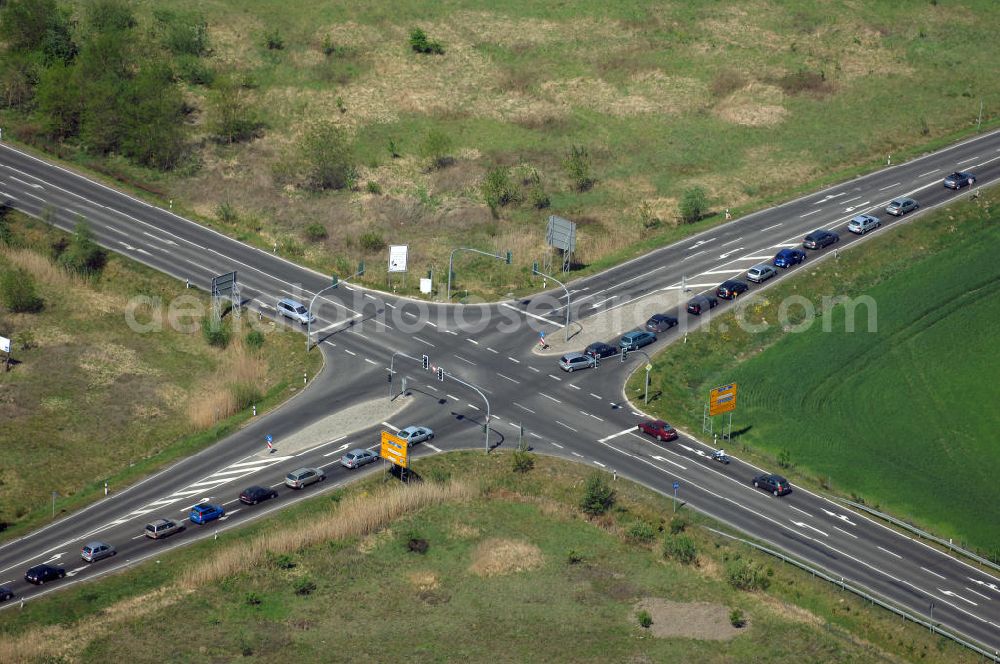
677	485
269	439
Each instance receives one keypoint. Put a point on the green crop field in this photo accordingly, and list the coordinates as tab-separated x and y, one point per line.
90	399
508	569
904	416
751	100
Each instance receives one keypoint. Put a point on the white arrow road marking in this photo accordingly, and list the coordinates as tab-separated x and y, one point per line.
801	524
55	557
957	596
615	435
76	571
546	320
855	207
336	451
127	246
842	517
659	458
699	243
730	253
828	197
991	586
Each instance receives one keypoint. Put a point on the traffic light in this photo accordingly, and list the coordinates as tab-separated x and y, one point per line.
334	281
534	267
361	269
425	362
510	257
440	373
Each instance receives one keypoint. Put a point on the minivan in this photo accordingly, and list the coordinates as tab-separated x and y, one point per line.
295	310
863	223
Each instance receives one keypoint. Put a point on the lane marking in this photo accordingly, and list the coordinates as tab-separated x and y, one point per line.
576	454
523	407
769	227
545	320
471	406
572	386
596	462
567	426
802	524
802	216
513	360
802	511
336	451
555	378
615	435
889	552
424	341
532	433
845	532
672	463
929	172
726	244
492	351
951	593
432	447
932	571
548	397
472	340
534	369
557	445
465	360
350	352
722	272
595	396
693	255
386	424
516	382
975	593
371	362
895	184
453	398
969	159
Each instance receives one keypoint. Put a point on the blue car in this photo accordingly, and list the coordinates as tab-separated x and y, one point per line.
636	339
206	512
788	257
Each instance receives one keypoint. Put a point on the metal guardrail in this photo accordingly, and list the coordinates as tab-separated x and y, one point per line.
934	629
917	531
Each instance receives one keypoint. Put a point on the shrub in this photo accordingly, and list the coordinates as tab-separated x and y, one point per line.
254	339
183	34
678	525
245	394
253	599
373	187
290	247
17	291
421	44
417	545
25	340
329	48
328	157
437	148
81	254
680	548
645	620
194	70
523	461
371	241
647	217
274	40
744	574
598	496
215	333
785	458
315	232
694	205
577	165
538	198
498	189
573	557
304	586
282	561
737	619
642	531
226	213
393	149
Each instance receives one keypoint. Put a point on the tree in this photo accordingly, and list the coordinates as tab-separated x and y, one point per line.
328	156
498	188
152	124
18	80
694	205
109	16
233	119
17	290
577	165
82	255
598	496
437	147
59	100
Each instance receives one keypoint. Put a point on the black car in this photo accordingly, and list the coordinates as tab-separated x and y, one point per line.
6	593
699	304
776	484
257	494
660	323
959	179
39	574
819	239
729	289
600	349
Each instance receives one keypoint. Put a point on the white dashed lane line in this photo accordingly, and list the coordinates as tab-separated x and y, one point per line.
802	216
465	360
516	382
929	172
492	351
350	352
371	362
890	186
576	454
424	341
471	406
472	341
534	369
563	424
572	386
596	396
555	444
548	397
523	407
555	377
453	398
513	360
924	568
600	464
845	532
890	552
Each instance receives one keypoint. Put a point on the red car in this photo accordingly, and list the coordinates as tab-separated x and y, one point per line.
658	429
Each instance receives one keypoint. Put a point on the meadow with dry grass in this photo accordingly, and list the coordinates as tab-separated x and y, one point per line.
89	399
510	571
752	100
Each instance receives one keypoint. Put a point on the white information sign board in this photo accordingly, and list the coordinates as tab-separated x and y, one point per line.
397	257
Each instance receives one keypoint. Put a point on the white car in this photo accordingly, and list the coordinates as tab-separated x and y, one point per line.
295	310
760	273
414	435
357	458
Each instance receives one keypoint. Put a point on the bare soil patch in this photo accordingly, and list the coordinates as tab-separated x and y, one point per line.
496	557
692	620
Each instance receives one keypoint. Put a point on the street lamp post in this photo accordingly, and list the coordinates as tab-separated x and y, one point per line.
649	367
335	283
535	270
451	263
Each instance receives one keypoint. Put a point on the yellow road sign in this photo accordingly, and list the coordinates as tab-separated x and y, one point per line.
722	400
395	449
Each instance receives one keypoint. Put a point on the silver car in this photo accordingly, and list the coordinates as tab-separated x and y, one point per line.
760	273
95	551
900	206
863	223
414	435
303	477
572	361
357	458
295	310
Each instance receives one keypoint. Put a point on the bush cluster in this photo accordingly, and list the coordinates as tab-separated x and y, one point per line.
17	291
598	496
420	43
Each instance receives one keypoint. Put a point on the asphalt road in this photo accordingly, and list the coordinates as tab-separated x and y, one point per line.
582	416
